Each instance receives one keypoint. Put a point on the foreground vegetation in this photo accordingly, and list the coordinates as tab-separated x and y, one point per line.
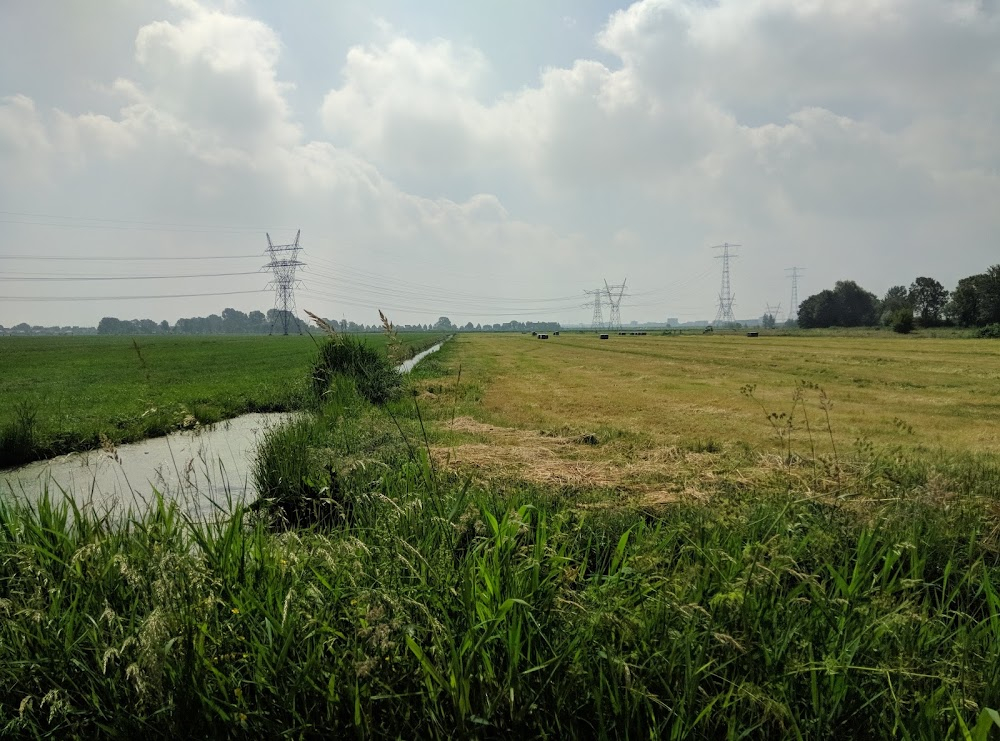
376	589
61	394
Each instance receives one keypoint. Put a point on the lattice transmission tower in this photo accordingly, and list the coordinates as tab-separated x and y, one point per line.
597	322
284	260
615	295
773	311
726	298
794	274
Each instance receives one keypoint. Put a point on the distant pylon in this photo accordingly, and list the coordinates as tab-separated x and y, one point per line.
615	294
794	274
597	322
284	259
773	311
726	298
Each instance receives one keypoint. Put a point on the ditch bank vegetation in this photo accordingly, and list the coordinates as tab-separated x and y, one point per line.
67	394
373	592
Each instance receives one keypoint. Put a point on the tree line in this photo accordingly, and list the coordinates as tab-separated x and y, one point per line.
232	321
975	302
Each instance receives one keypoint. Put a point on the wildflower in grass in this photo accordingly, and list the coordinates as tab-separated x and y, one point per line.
235	611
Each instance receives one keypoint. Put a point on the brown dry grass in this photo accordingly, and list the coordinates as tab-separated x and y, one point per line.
678	389
654	402
659	475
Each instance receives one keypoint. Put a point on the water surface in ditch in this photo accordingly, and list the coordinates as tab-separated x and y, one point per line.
201	468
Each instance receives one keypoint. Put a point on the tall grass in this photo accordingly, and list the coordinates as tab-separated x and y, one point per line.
441	609
20	438
371	370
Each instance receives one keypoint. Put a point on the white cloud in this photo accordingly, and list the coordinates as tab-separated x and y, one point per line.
854	136
24	144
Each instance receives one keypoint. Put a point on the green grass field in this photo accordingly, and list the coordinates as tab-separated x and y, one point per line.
78	389
570	539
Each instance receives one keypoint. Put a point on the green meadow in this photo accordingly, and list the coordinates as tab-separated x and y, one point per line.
61	394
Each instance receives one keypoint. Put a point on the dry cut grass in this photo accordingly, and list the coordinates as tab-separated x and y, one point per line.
678	389
659	416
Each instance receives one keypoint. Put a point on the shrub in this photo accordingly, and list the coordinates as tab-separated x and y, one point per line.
902	321
372	372
990	331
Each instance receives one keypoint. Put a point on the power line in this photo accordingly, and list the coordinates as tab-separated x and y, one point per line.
126	277
124	298
368	304
122	258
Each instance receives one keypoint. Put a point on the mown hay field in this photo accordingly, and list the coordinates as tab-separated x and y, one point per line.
681	389
668	417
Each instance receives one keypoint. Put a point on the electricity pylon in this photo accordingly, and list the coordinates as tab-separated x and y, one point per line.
794	274
597	322
283	263
726	298
615	295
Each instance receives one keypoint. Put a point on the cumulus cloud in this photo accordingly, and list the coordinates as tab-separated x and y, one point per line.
851	134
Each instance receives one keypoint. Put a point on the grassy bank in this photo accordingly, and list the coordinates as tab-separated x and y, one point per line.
851	596
60	394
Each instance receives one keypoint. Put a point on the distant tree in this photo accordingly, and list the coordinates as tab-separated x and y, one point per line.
109	325
234	321
444	324
469	327
768	321
975	302
928	298
896	298
989	299
847	305
164	326
963	308
818	310
857	307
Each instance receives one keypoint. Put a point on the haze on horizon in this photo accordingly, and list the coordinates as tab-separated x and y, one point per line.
489	162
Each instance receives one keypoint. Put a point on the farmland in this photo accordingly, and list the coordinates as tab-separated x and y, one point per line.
77	390
563	538
672	390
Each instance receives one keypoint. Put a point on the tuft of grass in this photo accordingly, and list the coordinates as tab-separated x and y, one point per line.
376	378
20	438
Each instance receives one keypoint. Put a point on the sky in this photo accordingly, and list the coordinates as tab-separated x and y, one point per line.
489	161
